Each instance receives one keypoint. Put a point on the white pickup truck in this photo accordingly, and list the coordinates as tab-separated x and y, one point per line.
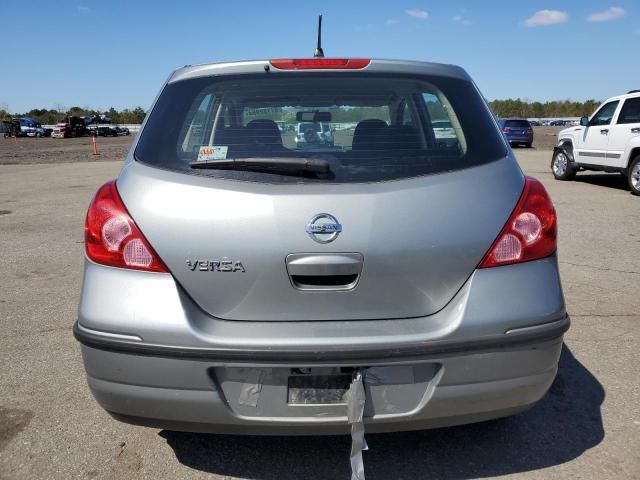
608	141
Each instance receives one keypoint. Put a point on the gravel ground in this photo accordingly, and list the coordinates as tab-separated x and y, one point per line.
588	425
31	150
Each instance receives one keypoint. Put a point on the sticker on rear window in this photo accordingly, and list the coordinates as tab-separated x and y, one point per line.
215	152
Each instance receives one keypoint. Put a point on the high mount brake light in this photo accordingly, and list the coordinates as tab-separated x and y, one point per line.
531	231
320	63
112	238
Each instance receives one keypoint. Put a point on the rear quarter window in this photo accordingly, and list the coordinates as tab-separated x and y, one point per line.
630	112
368	127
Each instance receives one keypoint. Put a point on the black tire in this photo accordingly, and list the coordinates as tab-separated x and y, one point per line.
561	165
528	145
633	177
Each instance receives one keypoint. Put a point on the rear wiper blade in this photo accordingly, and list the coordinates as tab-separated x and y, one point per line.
316	165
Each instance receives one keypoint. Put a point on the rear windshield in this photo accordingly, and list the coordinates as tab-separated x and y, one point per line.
517	123
369	128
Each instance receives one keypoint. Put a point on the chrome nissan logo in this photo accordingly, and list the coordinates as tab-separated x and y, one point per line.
323	228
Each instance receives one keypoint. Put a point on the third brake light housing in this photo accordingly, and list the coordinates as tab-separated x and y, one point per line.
320	63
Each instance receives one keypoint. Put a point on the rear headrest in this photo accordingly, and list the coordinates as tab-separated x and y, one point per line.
403	137
231	136
264	132
370	134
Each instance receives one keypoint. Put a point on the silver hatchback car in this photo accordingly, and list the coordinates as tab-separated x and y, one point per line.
237	283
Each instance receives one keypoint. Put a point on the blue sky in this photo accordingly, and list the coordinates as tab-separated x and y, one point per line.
102	53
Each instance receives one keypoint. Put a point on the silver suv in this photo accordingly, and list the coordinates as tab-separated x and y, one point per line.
236	283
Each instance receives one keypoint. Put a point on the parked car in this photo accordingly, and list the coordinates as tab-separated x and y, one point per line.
517	131
103	131
313	134
535	123
122	130
608	141
443	129
558	123
232	284
96	119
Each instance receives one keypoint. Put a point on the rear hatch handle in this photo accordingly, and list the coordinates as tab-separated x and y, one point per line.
324	271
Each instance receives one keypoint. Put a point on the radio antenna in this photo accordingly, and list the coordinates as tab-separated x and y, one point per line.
319	53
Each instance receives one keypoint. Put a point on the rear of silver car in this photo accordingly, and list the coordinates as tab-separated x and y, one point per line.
235	282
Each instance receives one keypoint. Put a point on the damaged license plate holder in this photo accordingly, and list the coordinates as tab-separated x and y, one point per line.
317	389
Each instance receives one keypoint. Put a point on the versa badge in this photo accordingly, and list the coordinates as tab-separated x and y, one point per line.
222	265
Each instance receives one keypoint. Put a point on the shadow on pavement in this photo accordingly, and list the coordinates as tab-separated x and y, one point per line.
610	180
563	425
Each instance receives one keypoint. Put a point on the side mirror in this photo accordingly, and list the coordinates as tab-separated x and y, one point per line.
584	121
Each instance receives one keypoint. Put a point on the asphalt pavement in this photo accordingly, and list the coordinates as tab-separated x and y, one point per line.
587	426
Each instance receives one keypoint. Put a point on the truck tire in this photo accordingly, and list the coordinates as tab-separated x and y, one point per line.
561	166
634	175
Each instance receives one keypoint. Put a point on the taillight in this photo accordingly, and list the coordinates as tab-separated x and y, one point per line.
529	130
320	63
112	238
506	130
530	233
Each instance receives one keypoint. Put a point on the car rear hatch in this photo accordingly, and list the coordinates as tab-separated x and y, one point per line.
393	229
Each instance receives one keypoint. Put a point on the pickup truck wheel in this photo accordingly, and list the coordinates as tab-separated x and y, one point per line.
634	176
561	166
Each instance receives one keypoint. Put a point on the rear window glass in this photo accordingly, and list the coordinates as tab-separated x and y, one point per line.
517	123
367	127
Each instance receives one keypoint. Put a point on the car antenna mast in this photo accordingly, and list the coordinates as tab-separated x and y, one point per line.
319	53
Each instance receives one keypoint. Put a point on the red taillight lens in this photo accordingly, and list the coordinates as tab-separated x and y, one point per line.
112	238
530	233
529	130
506	130
320	63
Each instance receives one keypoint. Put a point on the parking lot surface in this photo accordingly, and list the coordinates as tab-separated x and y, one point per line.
587	426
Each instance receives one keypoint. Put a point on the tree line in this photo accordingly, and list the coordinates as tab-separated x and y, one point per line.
523	108
54	115
502	108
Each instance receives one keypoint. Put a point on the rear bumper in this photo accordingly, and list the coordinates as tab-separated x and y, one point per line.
188	393
520	138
